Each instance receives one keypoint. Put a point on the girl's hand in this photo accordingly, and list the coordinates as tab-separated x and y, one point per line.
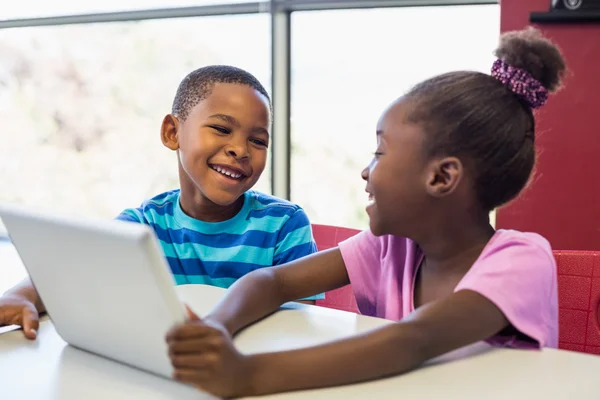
203	355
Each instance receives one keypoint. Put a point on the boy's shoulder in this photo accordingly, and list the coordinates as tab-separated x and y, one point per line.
260	208
169	197
269	213
162	205
262	201
258	201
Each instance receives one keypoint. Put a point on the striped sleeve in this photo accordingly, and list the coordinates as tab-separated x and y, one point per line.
296	241
131	215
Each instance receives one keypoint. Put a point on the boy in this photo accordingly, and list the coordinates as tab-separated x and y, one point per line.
214	229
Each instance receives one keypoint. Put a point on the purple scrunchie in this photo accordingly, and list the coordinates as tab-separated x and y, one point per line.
521	83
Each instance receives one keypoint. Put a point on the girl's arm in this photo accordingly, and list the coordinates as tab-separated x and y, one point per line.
463	318
202	355
262	292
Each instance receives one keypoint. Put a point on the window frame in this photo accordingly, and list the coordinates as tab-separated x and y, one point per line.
281	52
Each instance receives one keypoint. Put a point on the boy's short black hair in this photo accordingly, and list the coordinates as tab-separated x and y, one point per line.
198	85
475	117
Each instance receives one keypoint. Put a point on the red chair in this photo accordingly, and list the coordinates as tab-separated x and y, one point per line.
327	237
578	292
579	300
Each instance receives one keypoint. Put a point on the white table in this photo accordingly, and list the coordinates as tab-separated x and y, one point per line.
47	369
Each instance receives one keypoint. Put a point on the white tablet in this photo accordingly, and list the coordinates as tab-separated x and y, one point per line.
106	285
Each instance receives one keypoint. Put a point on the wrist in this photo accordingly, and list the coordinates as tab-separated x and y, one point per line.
17	296
256	371
219	321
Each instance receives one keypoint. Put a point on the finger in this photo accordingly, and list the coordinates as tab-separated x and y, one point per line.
30	322
189	330
192	346
192	376
191	314
195	361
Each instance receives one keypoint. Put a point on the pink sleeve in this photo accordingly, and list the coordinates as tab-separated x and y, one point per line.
362	257
518	274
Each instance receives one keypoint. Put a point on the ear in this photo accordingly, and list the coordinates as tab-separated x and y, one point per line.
169	132
444	176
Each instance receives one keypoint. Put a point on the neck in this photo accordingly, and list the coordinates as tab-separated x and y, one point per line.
197	206
455	241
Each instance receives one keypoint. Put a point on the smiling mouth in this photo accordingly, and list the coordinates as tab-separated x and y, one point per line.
228	172
371	200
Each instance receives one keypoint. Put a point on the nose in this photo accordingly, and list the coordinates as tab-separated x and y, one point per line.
237	150
365	173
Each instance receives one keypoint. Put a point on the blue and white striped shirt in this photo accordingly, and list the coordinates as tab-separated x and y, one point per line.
267	231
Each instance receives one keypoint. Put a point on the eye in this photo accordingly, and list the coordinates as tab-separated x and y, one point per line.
221	129
377	154
259	142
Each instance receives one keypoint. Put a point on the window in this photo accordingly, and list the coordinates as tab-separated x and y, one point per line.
45	8
82	106
347	66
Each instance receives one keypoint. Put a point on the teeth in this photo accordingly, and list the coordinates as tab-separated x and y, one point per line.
227	173
371	200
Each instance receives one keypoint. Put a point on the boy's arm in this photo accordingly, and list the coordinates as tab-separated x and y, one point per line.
261	292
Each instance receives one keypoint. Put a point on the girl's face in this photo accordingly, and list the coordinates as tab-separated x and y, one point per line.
411	192
399	176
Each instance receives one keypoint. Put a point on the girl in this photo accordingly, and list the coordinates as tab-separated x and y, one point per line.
450	150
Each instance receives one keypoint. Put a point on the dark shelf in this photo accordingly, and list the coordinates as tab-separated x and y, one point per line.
565	16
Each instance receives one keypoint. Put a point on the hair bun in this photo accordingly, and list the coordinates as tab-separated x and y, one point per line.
529	50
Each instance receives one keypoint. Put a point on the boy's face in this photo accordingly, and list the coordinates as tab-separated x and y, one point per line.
222	144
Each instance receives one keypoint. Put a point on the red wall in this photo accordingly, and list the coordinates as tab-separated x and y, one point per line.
563	201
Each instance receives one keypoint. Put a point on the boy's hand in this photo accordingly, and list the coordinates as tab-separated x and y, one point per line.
203	354
17	310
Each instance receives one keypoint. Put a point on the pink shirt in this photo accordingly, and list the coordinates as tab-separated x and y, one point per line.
516	271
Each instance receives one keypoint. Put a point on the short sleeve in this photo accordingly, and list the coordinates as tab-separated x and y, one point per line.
518	274
131	215
295	240
362	257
